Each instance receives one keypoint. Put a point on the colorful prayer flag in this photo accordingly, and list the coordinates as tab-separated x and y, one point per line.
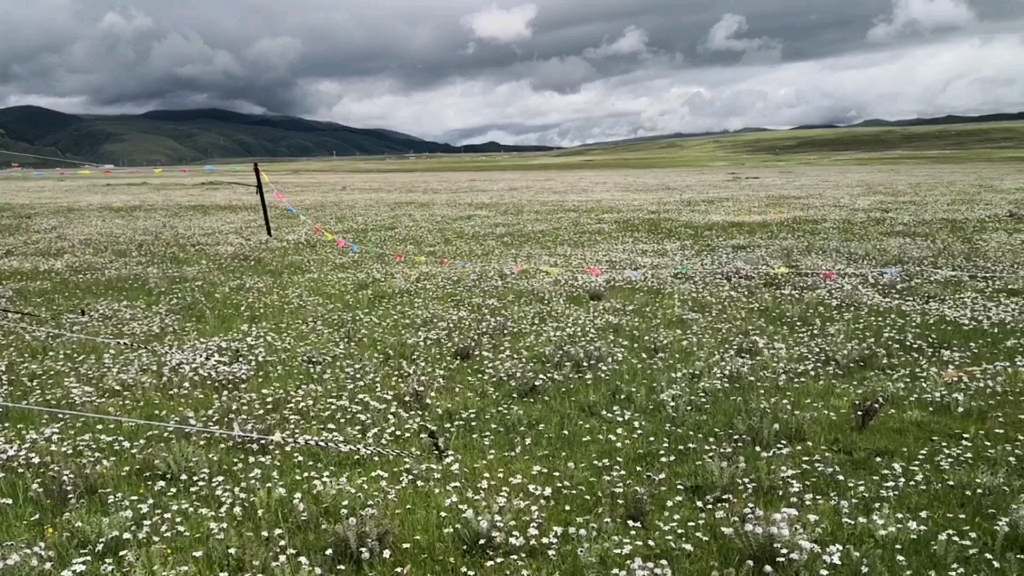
420	260
278	195
594	271
329	236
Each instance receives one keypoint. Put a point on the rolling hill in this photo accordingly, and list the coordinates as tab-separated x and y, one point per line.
946	144
874	123
188	136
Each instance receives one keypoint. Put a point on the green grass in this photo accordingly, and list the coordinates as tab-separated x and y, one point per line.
668	418
997	142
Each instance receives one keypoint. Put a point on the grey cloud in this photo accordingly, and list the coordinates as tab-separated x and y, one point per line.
563	71
561	74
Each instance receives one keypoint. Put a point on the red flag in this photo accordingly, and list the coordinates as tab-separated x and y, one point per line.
399	256
317	230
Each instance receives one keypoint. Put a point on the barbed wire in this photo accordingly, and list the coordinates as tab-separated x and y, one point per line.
277	438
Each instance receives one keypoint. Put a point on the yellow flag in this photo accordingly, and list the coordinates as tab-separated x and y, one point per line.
329	236
264	174
157	170
420	260
782	270
84	172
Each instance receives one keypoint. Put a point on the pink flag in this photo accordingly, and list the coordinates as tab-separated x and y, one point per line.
278	195
828	275
594	271
399	257
316	229
341	243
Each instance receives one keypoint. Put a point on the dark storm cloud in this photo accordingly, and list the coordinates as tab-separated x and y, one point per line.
553	71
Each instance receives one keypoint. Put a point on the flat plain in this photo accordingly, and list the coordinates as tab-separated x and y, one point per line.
779	369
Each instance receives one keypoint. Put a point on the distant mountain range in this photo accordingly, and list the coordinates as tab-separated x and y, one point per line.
939	121
186	136
169	137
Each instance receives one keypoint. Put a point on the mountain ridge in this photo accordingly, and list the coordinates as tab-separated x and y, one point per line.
166	137
871	123
188	136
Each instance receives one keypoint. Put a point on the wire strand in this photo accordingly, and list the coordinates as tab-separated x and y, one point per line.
218	432
49	158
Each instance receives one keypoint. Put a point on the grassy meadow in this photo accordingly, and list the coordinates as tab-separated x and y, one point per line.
712	403
992	142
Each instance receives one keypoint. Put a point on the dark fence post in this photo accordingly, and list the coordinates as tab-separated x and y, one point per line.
263	200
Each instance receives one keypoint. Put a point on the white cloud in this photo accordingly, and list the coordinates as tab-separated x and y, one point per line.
125	25
633	41
502	26
722	37
922	16
956	75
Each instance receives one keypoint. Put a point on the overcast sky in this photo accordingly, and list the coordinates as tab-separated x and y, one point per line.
545	71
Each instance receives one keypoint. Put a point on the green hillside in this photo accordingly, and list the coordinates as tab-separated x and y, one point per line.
192	136
188	136
946	144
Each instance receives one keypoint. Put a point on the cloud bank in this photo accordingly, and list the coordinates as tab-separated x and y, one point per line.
549	71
